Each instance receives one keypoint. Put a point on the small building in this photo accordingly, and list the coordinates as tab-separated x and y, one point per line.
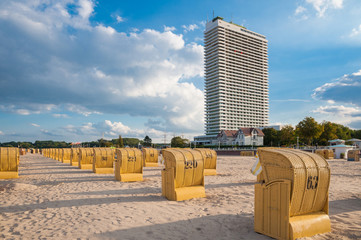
205	140
355	142
249	136
336	142
338	149
242	137
227	137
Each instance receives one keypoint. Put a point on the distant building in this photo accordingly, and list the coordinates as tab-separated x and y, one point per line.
205	140
356	142
276	127
336	142
236	77
241	137
340	149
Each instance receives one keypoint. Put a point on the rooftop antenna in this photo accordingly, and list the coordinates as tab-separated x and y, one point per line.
231	18
213	13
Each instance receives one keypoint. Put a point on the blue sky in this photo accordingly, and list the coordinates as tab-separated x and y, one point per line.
79	70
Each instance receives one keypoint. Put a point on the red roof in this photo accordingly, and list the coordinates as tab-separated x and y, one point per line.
229	133
248	131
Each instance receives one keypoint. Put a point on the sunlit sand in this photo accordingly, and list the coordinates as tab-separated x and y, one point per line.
57	201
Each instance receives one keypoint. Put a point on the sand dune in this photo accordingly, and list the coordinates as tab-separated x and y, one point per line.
52	200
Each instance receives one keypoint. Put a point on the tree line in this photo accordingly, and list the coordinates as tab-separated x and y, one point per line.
118	142
309	132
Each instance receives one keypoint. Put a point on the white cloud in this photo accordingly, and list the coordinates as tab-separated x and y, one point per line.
87	129
300	10
356	31
28	108
321	6
190	27
35	125
119	19
338	110
86	8
301	13
347	115
96	69
345	89
117	128
2	133
60	115
109	130
169	29
80	110
107	30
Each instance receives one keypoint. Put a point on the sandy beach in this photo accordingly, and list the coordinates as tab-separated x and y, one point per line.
52	200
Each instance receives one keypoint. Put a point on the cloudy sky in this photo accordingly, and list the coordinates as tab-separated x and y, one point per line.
77	70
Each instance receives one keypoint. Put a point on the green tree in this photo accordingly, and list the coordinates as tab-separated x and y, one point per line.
287	135
356	134
343	132
131	142
329	132
120	141
271	137
147	141
309	130
101	142
178	142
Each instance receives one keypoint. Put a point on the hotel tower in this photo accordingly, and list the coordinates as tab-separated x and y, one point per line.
236	77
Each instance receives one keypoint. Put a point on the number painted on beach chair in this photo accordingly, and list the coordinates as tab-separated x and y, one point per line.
190	164
312	182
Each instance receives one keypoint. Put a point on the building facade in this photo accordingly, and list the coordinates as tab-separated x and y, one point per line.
240	137
236	77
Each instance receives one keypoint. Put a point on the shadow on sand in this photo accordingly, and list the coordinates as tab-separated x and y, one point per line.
81	202
223	226
344	205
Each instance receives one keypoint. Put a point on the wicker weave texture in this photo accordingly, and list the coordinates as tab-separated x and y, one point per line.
9	159
247	153
86	156
328	153
209	157
150	155
103	158
320	152
66	154
183	176
188	166
129	160
309	175
353	155
74	156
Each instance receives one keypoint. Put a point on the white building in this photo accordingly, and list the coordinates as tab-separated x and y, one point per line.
340	149
236	77
356	142
242	137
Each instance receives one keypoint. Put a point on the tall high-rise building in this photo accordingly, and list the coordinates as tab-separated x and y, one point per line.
236	77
